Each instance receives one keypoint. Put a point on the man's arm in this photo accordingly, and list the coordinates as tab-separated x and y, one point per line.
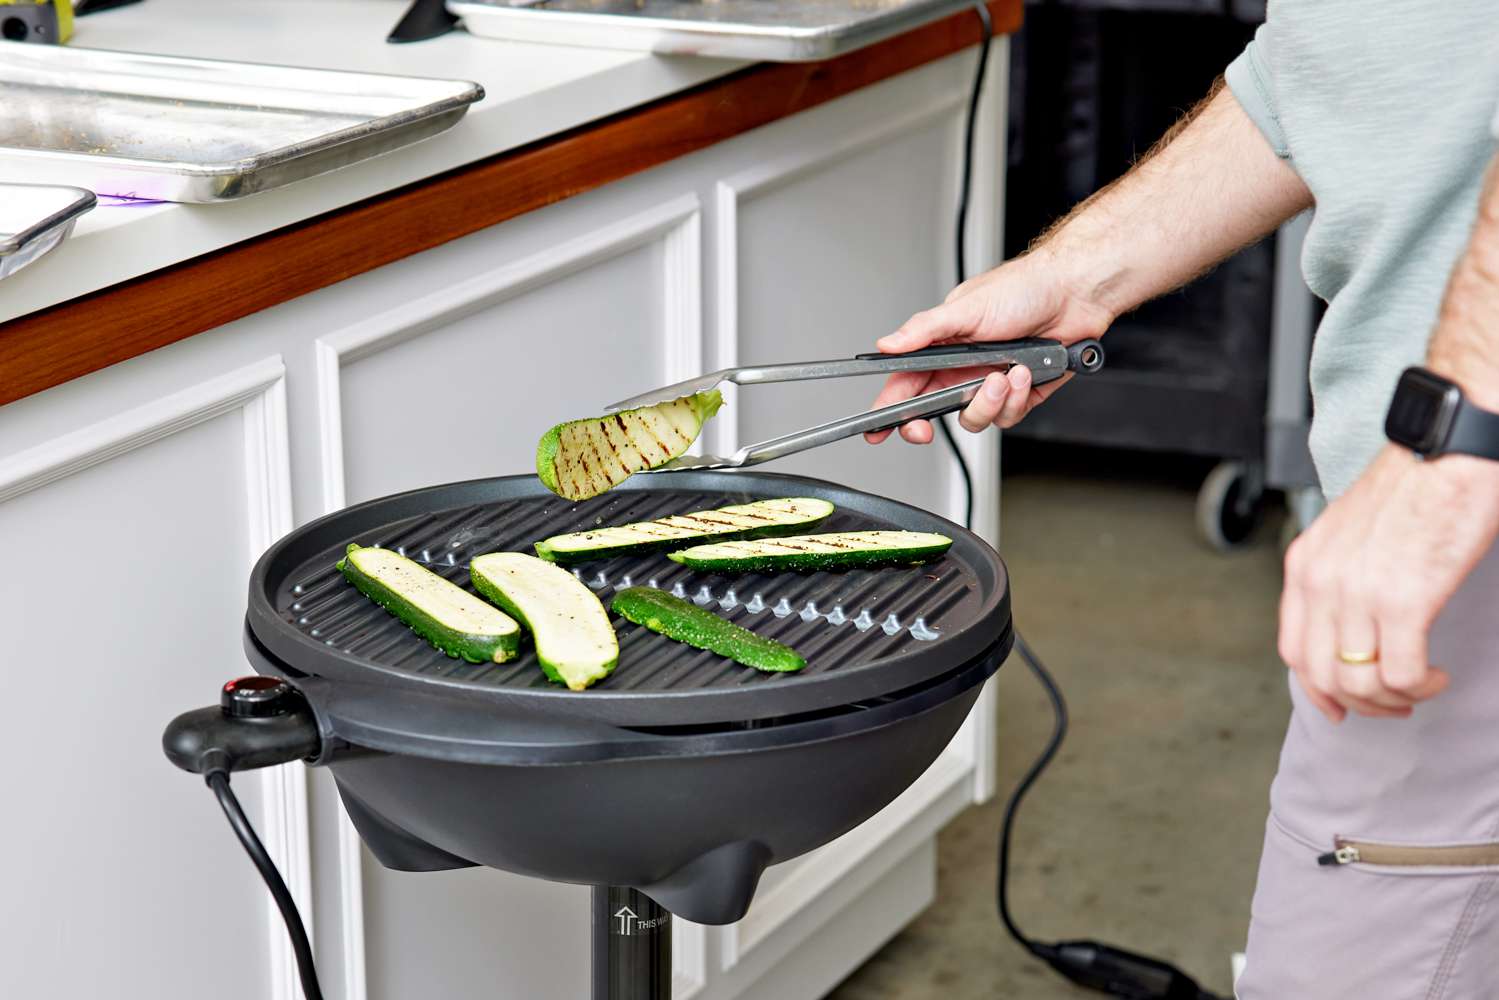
1374	571
1465	346
1211	186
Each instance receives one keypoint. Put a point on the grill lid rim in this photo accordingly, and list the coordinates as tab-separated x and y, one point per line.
780	696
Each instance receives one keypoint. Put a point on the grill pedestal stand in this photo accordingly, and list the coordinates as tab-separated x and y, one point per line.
631	946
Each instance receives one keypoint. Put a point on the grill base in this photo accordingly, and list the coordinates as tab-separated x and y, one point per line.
692	829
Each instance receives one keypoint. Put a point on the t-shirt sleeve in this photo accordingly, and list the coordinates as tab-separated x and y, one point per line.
1248	77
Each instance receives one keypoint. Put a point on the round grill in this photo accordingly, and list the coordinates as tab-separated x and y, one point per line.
866	634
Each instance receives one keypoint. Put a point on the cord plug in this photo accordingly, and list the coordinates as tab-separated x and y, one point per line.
1120	973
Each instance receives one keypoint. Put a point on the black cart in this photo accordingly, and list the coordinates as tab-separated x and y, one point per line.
1217	370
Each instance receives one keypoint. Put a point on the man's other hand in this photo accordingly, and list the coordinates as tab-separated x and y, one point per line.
1369	577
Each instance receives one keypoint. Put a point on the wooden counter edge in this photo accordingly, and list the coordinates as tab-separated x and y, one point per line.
114	324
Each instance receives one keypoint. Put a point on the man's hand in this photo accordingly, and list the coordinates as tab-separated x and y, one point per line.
1373	572
1027	297
1210	186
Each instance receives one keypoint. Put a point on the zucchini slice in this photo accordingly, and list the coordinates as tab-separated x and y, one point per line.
575	640
443	613
583	458
686	622
760	519
837	550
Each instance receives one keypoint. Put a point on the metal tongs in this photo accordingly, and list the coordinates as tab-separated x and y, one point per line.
1047	360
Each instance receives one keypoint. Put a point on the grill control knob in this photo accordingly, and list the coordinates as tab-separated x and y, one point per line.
257	698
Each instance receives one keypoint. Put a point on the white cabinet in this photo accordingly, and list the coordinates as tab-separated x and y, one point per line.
133	501
127	544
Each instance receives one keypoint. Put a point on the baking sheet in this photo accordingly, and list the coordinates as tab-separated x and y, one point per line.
200	130
773	30
34	219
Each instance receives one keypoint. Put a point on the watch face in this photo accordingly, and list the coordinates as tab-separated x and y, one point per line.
1422	411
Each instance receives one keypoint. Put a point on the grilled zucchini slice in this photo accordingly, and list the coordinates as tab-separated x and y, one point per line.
443	613
760	519
686	622
574	638
583	458
836	550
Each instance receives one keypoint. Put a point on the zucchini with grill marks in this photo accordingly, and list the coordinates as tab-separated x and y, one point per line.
443	613
835	550
575	640
687	623
583	458
761	519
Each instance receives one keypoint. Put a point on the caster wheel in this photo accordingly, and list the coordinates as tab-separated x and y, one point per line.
1230	505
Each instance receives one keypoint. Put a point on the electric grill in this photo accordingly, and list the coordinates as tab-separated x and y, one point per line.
671	784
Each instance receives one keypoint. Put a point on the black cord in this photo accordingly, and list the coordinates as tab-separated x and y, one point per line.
1007	825
1097	966
969	127
219	782
960	253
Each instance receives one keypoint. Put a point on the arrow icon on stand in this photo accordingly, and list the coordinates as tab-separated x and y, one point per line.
627	920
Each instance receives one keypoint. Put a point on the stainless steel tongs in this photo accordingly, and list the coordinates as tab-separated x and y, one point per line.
1048	360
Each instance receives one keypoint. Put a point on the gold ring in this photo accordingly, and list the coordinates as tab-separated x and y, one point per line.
1357	659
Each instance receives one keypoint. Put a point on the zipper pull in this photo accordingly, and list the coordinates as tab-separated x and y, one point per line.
1344	855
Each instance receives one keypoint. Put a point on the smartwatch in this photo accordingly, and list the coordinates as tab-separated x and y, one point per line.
1430	417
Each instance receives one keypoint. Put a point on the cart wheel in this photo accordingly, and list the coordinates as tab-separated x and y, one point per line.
1230	505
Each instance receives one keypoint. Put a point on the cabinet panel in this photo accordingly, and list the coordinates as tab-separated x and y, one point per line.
127	548
473	397
835	257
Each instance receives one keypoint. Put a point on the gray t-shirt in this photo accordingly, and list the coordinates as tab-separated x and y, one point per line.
1386	108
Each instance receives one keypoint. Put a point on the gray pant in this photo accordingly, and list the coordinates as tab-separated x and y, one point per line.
1370	932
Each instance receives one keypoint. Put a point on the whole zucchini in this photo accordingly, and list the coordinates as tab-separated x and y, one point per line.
686	622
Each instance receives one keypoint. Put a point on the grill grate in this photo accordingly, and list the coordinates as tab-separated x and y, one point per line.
840	622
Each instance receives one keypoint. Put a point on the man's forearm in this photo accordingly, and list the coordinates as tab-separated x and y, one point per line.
1465	345
1212	186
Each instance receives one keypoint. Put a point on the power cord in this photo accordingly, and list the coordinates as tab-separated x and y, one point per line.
218	780
1100	967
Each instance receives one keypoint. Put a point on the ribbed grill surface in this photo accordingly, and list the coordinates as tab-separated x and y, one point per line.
837	621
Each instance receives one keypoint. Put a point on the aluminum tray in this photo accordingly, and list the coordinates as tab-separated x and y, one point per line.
34	219
774	30
200	130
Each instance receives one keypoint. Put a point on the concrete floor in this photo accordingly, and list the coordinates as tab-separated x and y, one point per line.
1145	831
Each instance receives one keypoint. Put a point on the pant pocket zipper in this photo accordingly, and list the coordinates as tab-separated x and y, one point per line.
1347	852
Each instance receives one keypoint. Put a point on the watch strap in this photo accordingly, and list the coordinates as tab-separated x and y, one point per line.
1475	431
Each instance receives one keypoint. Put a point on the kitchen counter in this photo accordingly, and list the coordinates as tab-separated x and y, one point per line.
532	91
557	121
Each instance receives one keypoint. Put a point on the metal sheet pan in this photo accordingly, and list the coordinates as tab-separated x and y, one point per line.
201	130
34	219
773	30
